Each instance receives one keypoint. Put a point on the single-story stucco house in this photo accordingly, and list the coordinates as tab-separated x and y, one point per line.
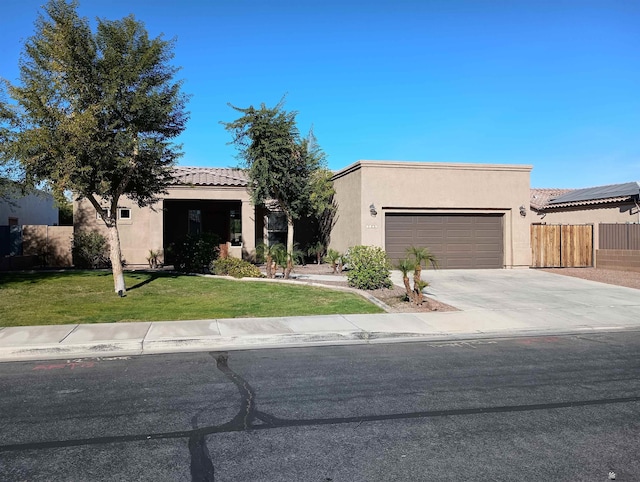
199	200
468	215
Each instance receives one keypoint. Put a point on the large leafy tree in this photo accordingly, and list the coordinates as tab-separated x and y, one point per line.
282	166
95	113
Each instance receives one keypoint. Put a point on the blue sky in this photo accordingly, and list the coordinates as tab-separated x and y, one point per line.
554	84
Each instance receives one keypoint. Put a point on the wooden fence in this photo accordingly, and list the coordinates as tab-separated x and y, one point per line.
561	245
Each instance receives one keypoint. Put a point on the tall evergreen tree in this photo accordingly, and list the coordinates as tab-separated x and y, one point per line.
96	113
282	166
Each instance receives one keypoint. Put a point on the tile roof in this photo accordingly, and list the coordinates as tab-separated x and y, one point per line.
539	198
210	176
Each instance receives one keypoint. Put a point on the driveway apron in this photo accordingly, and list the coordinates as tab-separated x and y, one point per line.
531	295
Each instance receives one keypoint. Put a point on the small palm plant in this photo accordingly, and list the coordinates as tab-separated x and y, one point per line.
334	258
418	286
293	257
268	253
417	256
153	259
405	266
421	255
317	250
279	257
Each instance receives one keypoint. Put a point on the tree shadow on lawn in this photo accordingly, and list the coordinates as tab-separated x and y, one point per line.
152	276
37	276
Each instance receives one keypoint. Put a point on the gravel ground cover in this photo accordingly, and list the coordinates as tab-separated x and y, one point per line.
630	279
393	297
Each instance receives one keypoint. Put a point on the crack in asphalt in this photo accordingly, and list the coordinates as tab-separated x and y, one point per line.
202	468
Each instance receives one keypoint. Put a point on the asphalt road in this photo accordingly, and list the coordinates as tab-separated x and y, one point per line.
549	408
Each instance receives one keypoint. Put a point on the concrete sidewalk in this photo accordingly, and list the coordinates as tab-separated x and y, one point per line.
495	303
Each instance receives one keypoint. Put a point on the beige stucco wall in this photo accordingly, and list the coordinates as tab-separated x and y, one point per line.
51	243
347	229
619	213
436	188
144	231
138	235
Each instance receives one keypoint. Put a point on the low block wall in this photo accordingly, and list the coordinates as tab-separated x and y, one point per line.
618	259
52	244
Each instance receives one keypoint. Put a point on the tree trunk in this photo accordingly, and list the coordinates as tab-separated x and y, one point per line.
419	296
116	259
289	234
269	266
407	287
289	267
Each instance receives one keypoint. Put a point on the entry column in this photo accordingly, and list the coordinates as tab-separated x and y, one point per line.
248	216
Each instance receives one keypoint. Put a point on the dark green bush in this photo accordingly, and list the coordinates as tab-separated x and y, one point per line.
369	268
236	267
90	250
194	253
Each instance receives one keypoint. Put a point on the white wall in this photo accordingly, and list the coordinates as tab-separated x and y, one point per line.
36	208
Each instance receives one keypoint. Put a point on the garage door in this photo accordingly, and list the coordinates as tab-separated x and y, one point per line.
458	241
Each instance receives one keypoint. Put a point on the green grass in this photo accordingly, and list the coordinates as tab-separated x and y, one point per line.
55	298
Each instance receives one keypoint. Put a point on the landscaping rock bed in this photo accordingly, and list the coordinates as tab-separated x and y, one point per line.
393	297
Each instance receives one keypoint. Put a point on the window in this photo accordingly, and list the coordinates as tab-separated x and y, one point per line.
235	227
195	221
276	228
124	213
105	211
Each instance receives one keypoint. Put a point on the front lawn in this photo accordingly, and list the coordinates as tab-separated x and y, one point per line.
55	298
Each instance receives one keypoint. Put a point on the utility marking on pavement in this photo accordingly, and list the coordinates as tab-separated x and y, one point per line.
62	366
462	344
99	358
539	339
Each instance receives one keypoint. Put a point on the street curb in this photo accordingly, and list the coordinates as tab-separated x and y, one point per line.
76	350
200	344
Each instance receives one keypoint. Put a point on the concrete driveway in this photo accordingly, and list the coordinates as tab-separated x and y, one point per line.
530	297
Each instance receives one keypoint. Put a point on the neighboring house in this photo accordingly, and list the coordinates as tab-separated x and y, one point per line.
29	235
37	207
614	203
468	215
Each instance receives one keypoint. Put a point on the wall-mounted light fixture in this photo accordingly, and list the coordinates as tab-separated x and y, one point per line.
523	211
372	210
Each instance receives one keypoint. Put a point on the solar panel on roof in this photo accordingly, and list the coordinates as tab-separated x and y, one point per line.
599	192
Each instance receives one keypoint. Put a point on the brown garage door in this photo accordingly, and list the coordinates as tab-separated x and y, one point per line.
457	240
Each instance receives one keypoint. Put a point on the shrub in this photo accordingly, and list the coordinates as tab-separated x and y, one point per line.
334	258
238	268
194	253
90	250
369	268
